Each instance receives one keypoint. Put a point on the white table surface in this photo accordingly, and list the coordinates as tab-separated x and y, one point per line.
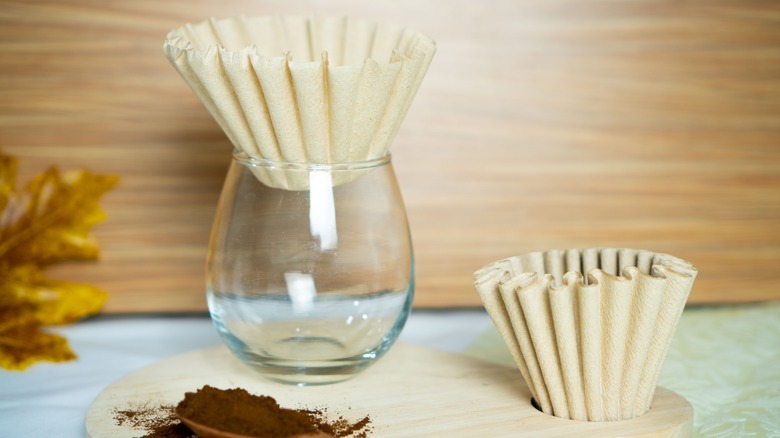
51	400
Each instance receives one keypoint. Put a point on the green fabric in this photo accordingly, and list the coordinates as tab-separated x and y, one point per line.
725	360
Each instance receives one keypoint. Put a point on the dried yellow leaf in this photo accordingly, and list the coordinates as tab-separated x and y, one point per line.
55	302
23	343
48	221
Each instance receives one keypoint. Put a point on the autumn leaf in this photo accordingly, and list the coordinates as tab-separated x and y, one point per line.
46	222
23	343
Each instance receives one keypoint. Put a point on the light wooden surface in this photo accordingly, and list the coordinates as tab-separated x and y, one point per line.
411	392
540	125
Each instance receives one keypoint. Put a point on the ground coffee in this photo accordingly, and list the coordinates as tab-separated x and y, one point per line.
156	421
238	411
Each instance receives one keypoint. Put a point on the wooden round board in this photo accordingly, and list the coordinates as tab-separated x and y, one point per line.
411	392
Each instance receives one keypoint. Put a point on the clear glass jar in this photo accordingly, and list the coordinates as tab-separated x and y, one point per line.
310	271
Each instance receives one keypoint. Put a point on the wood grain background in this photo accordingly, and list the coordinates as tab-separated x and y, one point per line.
541	124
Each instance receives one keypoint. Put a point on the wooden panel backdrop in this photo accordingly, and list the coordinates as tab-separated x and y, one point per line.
541	124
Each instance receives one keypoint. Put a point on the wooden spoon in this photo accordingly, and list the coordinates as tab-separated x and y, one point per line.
204	431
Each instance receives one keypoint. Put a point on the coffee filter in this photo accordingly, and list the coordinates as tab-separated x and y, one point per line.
589	329
303	89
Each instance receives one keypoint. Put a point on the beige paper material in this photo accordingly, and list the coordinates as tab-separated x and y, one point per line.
303	89
589	329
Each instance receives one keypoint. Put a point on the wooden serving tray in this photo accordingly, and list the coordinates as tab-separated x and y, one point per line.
412	392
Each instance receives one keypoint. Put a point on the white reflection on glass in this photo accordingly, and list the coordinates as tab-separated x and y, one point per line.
302	291
322	211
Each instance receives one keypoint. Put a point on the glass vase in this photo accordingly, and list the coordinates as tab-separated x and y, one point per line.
310	271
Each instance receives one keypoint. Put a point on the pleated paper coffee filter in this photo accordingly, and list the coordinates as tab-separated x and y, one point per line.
588	328
303	89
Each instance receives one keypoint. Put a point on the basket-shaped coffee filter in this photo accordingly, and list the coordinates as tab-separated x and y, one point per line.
303	89
589	329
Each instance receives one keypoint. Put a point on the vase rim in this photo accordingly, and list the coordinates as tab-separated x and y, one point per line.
247	160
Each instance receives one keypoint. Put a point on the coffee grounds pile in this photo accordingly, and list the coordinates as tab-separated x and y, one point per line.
237	411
